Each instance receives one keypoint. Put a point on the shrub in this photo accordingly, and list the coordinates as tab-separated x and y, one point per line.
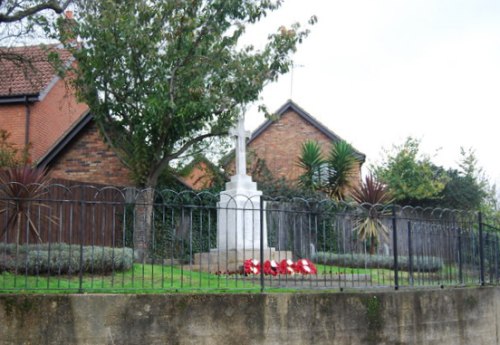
10	156
420	263
63	258
21	188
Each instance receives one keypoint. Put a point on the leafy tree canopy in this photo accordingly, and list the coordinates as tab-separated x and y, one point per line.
467	188
413	179
409	175
161	77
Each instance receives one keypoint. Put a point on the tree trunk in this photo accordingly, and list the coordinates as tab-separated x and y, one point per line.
143	224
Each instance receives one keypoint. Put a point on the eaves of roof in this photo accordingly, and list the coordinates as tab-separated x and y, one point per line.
290	105
21	98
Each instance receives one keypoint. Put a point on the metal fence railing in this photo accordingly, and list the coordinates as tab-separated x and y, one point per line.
89	239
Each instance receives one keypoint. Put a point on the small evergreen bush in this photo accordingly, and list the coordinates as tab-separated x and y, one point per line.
63	258
420	263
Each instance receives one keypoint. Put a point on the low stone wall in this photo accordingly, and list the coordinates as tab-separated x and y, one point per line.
451	316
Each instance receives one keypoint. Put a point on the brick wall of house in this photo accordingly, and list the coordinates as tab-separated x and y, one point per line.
88	159
13	120
51	117
280	144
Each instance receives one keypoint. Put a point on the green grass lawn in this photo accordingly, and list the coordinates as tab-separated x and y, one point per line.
141	278
159	279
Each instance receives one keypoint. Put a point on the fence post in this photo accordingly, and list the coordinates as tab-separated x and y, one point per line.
460	260
488	254
481	249
395	247
496	259
82	216
261	210
410	254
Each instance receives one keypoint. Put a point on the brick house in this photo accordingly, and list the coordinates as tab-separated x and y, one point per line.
40	109
278	143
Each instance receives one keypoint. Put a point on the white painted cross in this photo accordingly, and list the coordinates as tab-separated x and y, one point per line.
240	137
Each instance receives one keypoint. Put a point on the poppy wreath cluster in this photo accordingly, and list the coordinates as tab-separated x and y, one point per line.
285	266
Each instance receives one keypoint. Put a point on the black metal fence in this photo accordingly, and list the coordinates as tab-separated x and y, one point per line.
89	239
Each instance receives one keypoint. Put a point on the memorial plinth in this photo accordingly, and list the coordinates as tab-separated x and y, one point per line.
239	216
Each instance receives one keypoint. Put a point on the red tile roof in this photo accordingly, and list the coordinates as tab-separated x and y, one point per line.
28	72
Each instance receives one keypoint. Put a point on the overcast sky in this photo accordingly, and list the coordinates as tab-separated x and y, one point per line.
378	71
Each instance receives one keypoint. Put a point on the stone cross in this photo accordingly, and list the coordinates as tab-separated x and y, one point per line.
240	137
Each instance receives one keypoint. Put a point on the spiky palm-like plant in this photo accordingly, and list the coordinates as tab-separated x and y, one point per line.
21	188
342	170
371	195
311	162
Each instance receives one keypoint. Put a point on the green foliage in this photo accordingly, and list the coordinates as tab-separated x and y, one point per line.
370	225
333	175
311	162
413	179
20	189
420	263
10	156
8	152
461	192
466	188
61	258
277	187
368	221
409	176
371	191
342	165
181	232
183	223
161	77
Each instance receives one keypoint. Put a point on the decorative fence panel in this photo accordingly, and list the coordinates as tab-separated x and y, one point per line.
97	238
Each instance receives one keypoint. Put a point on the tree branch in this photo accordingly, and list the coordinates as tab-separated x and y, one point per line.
164	162
21	14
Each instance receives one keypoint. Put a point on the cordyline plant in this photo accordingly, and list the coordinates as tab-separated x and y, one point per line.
21	188
371	196
342	170
333	175
311	161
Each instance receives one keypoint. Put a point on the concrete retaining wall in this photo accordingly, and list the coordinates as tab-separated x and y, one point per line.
453	316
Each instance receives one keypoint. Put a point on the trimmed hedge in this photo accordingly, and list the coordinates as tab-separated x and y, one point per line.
63	258
420	263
